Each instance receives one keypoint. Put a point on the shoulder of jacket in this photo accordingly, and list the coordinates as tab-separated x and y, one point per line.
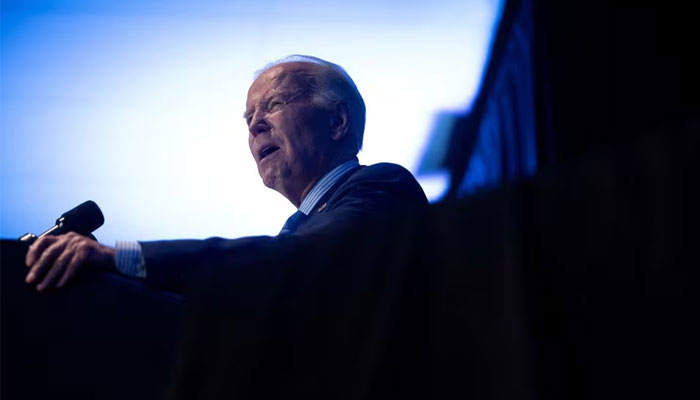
381	169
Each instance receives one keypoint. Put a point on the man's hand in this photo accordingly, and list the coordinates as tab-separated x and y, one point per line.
54	260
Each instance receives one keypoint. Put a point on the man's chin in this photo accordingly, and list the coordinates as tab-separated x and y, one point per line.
269	180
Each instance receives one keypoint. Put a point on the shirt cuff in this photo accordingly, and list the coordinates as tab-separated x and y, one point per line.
129	259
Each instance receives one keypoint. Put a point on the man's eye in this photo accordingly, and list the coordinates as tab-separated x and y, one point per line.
274	104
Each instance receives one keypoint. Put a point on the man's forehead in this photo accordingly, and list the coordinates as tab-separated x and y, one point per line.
277	78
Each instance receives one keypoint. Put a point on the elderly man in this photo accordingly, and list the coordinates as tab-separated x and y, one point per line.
306	120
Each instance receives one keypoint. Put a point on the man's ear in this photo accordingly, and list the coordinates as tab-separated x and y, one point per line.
340	121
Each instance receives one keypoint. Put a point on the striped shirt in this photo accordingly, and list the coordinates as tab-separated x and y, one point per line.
129	257
320	188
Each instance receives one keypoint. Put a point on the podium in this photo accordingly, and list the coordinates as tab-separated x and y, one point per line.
102	336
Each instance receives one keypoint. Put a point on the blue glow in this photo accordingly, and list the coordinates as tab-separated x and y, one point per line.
505	149
137	105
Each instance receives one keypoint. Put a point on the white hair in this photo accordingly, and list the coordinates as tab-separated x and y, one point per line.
326	93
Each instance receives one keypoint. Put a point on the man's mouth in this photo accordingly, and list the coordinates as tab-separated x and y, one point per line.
267	150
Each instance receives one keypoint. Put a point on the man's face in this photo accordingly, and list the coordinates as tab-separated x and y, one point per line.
288	135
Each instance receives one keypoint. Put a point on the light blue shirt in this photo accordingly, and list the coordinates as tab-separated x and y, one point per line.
129	257
323	185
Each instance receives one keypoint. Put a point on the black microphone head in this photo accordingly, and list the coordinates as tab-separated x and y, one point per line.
82	219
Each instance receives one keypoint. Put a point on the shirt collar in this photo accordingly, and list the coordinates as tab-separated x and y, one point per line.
324	184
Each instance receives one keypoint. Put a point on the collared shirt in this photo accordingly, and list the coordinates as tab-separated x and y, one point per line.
129	256
323	185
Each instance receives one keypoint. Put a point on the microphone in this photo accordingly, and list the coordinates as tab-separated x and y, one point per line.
82	219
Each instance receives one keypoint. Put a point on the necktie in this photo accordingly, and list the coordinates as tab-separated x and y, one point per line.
293	223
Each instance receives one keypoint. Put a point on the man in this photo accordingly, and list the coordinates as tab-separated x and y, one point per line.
306	120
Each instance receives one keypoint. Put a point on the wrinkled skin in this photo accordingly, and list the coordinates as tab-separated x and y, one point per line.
280	113
55	260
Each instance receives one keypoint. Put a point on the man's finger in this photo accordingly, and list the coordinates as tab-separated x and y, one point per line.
48	256
50	277
37	248
57	269
76	263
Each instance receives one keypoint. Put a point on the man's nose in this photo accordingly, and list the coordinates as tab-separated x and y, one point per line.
258	125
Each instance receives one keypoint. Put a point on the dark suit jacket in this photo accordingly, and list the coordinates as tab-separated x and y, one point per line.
365	193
